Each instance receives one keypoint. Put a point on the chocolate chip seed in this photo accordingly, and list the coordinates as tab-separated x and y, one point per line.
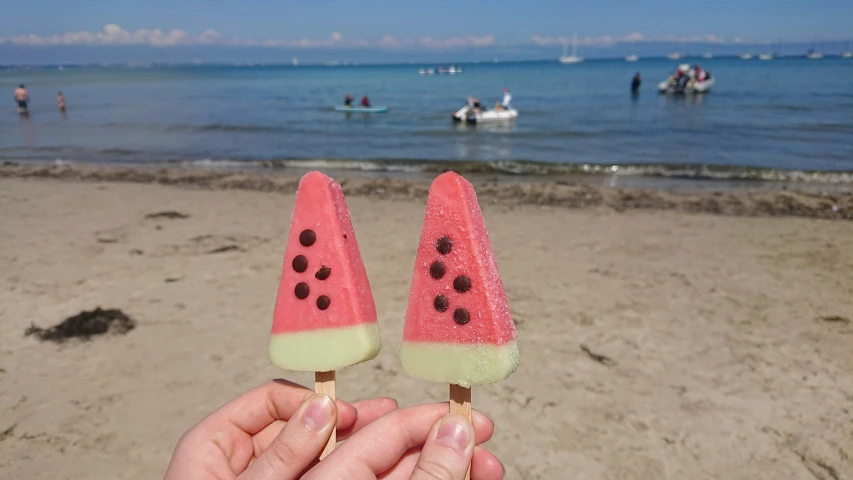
461	316
301	290
444	245
307	238
323	302
323	273
436	270
300	263
440	303
462	284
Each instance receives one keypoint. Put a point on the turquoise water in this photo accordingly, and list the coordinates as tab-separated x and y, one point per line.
763	119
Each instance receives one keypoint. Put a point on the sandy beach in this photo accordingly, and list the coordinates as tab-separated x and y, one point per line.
663	336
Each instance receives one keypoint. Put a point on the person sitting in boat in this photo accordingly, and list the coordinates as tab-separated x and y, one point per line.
505	104
348	100
699	74
474	104
365	102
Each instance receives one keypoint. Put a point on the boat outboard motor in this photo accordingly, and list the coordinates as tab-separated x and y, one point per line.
682	83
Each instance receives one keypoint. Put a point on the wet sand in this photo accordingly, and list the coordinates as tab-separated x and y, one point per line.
662	335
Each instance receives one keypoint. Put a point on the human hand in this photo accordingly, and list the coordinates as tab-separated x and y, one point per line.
416	443
269	432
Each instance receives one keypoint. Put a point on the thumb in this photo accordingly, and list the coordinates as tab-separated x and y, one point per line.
448	450
298	444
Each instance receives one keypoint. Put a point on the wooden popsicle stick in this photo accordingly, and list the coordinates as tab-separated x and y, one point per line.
460	402
324	382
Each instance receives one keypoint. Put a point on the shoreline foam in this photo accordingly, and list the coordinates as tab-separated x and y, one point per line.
541	190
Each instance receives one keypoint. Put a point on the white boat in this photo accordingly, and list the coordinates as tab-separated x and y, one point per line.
422	71
846	54
573	58
813	53
670	87
766	56
745	56
631	58
673	56
708	55
466	114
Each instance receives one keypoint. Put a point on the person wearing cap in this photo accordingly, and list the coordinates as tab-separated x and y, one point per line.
505	104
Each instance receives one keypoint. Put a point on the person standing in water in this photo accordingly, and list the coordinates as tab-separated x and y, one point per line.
22	97
635	83
60	102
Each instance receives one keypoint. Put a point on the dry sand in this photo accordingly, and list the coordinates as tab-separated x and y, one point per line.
729	339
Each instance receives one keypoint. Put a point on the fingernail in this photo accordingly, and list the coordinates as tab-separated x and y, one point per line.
455	432
318	412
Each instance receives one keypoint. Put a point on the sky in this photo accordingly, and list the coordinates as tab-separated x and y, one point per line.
387	27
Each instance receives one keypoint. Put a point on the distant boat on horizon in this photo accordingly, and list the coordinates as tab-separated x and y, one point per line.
847	53
573	58
707	55
678	55
631	58
746	56
766	56
813	53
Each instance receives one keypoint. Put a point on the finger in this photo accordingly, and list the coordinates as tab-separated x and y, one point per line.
378	446
368	412
275	400
298	444
484	466
448	450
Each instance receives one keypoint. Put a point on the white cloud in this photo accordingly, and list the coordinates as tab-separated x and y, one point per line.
456	42
632	37
113	34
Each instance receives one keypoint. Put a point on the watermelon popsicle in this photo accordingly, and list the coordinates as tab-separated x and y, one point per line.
325	316
458	326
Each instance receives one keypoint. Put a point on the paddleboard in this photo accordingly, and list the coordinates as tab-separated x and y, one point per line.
362	109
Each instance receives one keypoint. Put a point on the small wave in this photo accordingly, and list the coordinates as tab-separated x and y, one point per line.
532	168
222	127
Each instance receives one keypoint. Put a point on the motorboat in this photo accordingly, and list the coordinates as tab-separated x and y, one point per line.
766	56
473	116
745	56
631	58
687	84
573	58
